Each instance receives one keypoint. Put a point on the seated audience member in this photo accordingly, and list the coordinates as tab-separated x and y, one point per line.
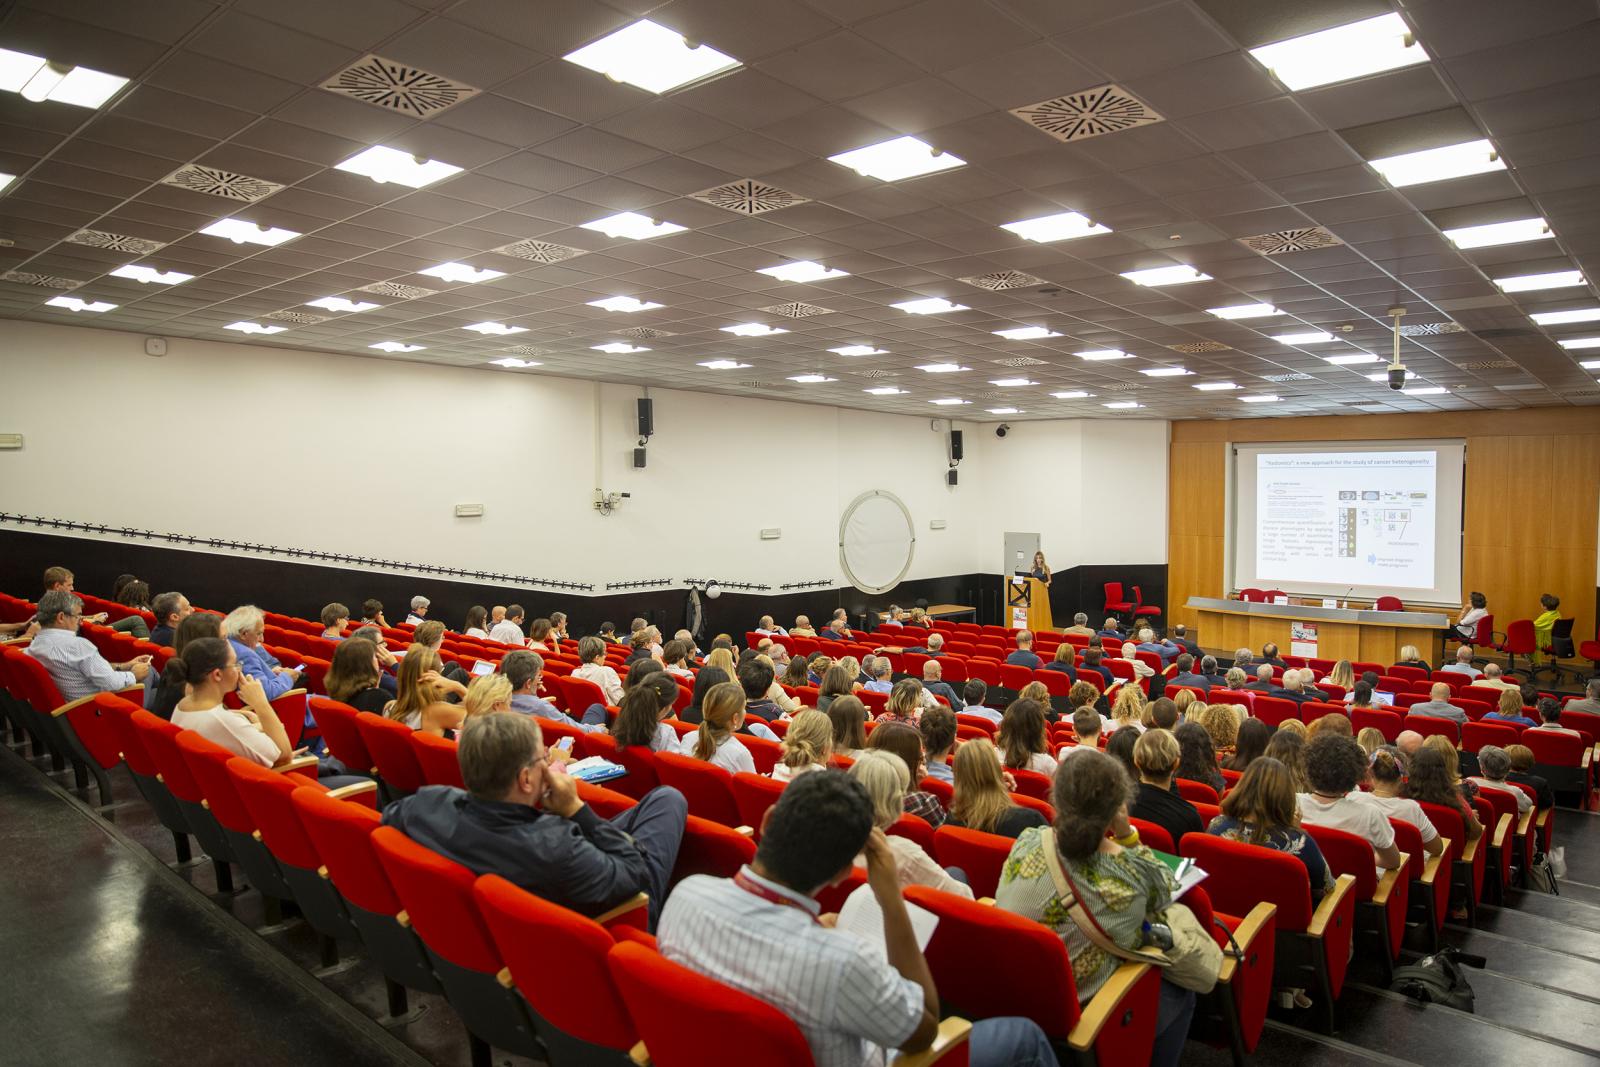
1222	723
1080	626
850	1000
558	627
1288	747
1214	675
836	682
1111	631
1118	881
1530	694
1370	739
1263	682
592	651
640	721
1086	728
419	611
1337	725
209	667
904	703
934	685
1253	739
1161	714
882	676
1495	765
508	631
887	779
703	681
1187	676
1166	650
1242	659
372	613
1343	675
388	662
1387	769
894	618
1236	680
721	657
608	633
245	627
721	716
1141	669
1120	747
353	676
1492	678
806	746
133	594
1092	661
802	627
1432	779
1024	655
1408	742
849	719
1522	762
73	662
487	694
1590	701
974	700
1549	718
1466	627
938	741
638	646
1335	767
521	818
1127	709
541	636
1438	705
1197	760
430	635
1062	661
420	698
1024	738
755	678
794	675
1260	810
981	801
1509	710
1411	657
1269	654
1463	663
1180	637
335	617
476	624
162	697
934	647
1156	757
767	626
905	741
525	671
675	658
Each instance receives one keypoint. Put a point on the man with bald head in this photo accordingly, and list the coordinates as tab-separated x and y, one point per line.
1409	742
1263	682
933	682
1438	706
1492	678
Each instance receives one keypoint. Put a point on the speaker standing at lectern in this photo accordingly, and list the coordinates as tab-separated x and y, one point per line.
1041	569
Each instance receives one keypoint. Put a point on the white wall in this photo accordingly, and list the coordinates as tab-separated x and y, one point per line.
268	444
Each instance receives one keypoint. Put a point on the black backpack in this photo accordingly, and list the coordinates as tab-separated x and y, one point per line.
1437	979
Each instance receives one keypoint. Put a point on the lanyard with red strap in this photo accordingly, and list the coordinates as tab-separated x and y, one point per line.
771	896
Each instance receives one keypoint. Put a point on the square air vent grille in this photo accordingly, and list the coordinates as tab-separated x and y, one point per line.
875	373
749	384
115	241
1201	346
44	281
223	183
398	87
796	310
1003	279
1019	361
539	251
643	333
528	350
1119	387
299	318
1090	113
749	197
1281	241
404	292
1286	377
1488	364
1431	329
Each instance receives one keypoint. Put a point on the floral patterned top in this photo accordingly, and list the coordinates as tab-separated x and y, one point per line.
1295	841
1121	891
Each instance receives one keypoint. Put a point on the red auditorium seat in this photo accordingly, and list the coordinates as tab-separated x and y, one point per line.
1380	914
1467	858
707	787
389	741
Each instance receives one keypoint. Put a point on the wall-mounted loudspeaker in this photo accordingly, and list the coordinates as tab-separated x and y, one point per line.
647	418
950	476
638	457
955	446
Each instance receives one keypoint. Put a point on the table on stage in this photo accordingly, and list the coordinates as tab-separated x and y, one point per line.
943	611
1341	633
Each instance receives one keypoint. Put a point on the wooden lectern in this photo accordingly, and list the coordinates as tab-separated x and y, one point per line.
1027	604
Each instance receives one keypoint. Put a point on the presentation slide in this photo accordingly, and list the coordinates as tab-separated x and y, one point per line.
1352	519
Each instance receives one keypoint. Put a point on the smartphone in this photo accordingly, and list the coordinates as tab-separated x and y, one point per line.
565	744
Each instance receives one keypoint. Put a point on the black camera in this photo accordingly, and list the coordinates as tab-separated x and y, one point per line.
1397	376
1003	429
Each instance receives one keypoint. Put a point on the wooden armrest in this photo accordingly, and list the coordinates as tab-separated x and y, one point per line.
1430	865
1524	822
628	909
285	695
1587	755
1380	895
505	979
353	789
1106	1004
1501	829
1244	936
69	705
299	763
403	918
748	831
1543	819
988	901
1469	854
953	1034
640	1055
1343	887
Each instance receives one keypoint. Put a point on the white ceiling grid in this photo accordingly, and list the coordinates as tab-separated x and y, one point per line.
1147	116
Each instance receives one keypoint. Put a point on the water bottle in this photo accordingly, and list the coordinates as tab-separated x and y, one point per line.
1159	935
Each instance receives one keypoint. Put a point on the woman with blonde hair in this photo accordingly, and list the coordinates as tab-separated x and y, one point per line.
723	658
488	693
852	667
886	779
1411	657
1127	709
1289	749
904	704
1025	739
806	746
1222	723
722	714
419	695
981	800
837	682
1370	739
1342	675
1293	726
1184	700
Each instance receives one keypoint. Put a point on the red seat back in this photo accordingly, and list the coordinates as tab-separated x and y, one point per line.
91	721
711	848
1154	836
1274	710
1197	792
1031	783
266	795
1519	638
1240	876
754	794
1553	749
639	761
389	741
766	753
1429	726
1474	735
437	758
1387	721
707	787
1389	603
979	854
160	739
209	764
437	894
119	717
913	828
337	724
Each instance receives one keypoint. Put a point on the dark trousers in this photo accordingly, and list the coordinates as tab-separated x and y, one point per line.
656	825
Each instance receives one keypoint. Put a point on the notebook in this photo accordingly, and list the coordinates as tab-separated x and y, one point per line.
1183	869
594	770
862	917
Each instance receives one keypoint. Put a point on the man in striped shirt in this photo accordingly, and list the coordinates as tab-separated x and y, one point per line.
761	933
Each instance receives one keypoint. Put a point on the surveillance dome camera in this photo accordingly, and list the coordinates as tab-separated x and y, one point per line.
1003	429
1397	376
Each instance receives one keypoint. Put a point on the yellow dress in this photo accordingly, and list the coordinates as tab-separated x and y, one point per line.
1541	633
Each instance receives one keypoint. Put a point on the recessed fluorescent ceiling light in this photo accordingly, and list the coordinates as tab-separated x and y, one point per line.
1215	387
72	303
811	379
461	272
652	57
499	329
1344	52
1260	399
146	275
723	364
1315	337
1011	383
1026	333
634	226
1385	376
38	79
1165	372
241	232
1425	390
339	303
802	270
1354	359
254	327
1096	355
753	329
7	179
933	305
1556	318
1523	283
618	348
885	390
859	350
396	346
1580	342
1438	164
942	368
1499	233
1076	394
385	165
949	401
1122	404
1244	311
1004	411
903	157
1064	226
625	304
1166	276
513	361
1590	364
